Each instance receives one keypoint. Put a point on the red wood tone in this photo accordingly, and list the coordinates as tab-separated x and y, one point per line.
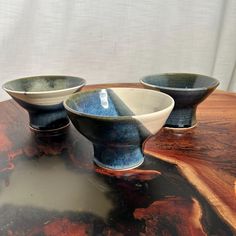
187	212
206	154
62	227
113	85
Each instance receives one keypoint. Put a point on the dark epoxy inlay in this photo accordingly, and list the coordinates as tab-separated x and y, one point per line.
127	194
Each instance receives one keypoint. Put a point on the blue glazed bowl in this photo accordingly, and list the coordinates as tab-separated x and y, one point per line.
188	90
117	121
42	97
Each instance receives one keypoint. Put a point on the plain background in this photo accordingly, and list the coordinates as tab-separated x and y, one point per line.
108	41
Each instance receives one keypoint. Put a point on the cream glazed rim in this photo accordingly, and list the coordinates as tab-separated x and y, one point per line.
117	118
57	91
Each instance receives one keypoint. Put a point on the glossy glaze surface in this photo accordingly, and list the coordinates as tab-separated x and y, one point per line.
117	121
39	84
181	81
188	90
50	185
42	97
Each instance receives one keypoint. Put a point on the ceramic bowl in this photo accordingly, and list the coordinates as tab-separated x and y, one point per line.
42	97
117	121
188	90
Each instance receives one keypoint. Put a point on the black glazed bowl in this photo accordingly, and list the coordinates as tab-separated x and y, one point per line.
117	121
42	97
188	90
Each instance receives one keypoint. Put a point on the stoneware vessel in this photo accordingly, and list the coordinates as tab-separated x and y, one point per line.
117	121
42	97
188	90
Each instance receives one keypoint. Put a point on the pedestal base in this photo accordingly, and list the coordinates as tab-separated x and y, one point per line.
118	157
182	118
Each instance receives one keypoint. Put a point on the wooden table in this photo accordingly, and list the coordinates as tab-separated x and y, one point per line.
186	186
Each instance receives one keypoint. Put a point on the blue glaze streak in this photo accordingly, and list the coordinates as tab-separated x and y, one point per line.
116	157
99	104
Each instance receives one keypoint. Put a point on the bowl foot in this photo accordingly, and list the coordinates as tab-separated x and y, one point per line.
180	129
182	118
50	132
118	157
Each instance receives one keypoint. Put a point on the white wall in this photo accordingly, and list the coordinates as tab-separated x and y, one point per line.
117	40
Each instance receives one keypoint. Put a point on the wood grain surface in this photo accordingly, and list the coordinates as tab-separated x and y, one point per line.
186	185
206	154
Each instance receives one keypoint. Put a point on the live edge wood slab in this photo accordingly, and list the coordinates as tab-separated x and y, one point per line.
206	154
186	186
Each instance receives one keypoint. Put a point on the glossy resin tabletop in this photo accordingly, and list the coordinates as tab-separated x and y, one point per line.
50	186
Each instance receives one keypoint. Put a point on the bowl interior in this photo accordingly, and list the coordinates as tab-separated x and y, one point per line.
180	81
40	84
115	102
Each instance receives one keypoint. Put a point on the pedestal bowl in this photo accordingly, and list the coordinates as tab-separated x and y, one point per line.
117	121
188	90
42	97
